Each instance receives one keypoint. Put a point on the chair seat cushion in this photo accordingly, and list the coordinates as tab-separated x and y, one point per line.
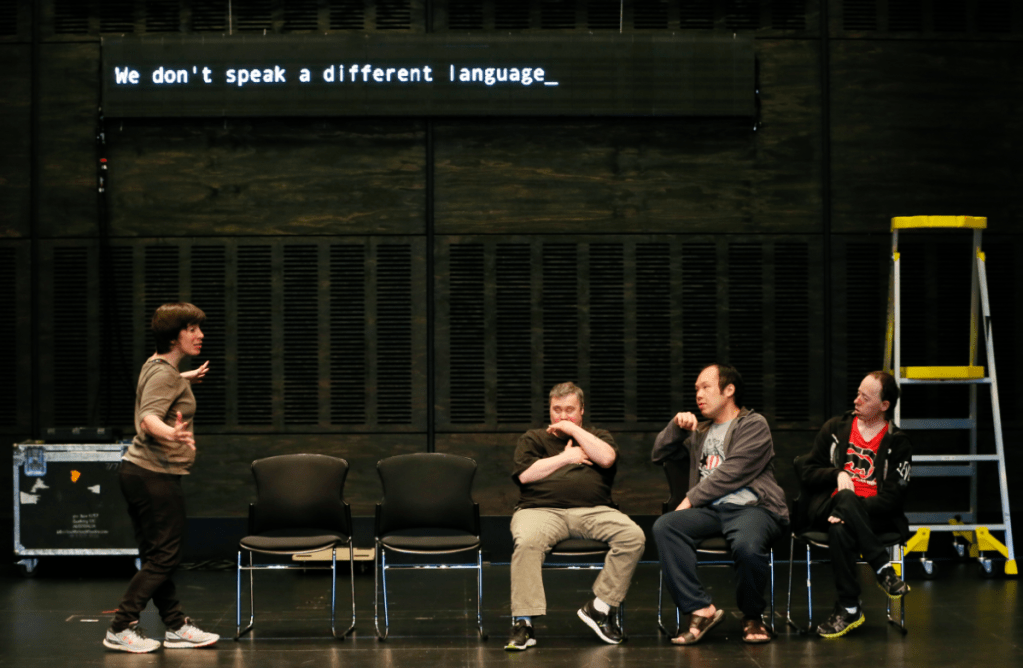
430	540
713	544
580	546
288	541
820	538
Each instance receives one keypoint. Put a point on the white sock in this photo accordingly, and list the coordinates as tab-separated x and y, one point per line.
852	611
602	608
527	620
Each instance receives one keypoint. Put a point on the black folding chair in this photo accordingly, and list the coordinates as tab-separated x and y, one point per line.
428	511
299	510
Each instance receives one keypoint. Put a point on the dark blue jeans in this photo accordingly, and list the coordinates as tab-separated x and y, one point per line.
750	532
157	508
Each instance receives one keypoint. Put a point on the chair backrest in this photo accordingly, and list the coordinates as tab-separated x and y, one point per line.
300	491
677	472
799	514
427	490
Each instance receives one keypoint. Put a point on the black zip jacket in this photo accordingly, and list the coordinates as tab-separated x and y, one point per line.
892	464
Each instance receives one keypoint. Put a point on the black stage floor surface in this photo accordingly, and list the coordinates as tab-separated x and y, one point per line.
59	617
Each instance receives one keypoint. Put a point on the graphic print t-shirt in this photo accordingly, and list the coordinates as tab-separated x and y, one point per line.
859	460
713	457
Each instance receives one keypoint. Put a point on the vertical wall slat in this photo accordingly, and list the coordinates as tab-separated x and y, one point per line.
746	331
70	346
792	328
209	278
653	332
254	317
348	372
559	273
606	396
394	333
10	390
467	327
699	305
513	332
301	334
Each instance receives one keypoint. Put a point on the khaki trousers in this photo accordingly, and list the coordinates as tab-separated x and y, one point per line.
536	530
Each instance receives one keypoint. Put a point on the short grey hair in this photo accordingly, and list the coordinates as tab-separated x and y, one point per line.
567	388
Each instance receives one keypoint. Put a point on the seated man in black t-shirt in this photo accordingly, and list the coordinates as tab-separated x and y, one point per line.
565	473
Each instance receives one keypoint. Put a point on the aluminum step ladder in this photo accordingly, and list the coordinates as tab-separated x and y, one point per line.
962	524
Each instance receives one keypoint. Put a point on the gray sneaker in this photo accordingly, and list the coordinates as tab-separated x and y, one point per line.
189	636
132	639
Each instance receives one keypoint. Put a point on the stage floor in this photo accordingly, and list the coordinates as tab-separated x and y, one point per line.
58	618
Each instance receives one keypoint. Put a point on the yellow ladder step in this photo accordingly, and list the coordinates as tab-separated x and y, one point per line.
918	222
943	372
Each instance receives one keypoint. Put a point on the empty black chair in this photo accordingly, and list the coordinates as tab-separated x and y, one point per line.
712	551
896	610
299	510
427	510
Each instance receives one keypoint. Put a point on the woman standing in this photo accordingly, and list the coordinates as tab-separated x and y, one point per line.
162	451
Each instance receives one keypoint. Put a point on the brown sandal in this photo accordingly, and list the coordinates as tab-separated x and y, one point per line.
754	626
701	624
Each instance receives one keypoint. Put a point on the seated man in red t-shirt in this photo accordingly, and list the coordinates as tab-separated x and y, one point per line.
858	472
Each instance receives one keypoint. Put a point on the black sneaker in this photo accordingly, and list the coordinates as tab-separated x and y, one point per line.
604	625
891	584
840	622
521	637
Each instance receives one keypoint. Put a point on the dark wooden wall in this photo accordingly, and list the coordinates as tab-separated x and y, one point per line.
620	253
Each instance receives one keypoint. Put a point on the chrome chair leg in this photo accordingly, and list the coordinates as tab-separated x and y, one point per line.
333	590
379	564
774	631
788	598
479	593
238	598
901	561
383	586
809	593
239	631
660	603
380	587
660	621
351	573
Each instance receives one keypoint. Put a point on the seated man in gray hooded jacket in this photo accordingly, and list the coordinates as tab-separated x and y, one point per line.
732	492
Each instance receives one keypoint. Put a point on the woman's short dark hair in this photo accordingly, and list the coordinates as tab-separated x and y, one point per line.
729	375
889	390
170	319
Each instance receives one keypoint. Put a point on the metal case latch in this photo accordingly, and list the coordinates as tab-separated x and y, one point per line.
35	462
